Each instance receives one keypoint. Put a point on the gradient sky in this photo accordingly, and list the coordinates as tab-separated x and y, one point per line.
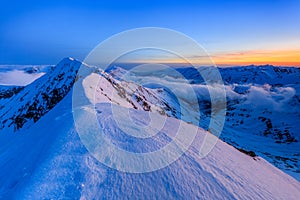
232	32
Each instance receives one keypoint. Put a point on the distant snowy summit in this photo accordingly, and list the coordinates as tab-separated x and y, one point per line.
47	160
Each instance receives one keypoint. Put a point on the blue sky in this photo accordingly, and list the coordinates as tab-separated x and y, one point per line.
43	32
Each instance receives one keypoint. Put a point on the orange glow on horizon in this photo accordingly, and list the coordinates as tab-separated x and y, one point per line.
273	57
242	58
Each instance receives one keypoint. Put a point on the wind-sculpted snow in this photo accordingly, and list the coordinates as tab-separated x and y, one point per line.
47	158
64	169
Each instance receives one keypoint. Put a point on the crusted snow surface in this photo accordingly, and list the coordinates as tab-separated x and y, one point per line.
48	161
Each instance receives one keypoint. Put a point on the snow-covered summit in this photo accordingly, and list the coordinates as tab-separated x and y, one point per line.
30	103
42	95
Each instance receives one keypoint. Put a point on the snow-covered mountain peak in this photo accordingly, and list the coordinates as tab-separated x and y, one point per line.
36	99
31	102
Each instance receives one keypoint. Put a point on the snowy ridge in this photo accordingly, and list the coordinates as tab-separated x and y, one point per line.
42	95
127	94
47	160
262	107
36	99
64	169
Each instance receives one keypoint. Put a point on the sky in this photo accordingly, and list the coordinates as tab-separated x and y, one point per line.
232	32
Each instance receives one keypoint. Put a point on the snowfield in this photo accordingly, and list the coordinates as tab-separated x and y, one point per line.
49	161
43	157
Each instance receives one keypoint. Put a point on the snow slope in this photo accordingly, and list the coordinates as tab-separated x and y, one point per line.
263	105
37	98
32	102
45	158
48	161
